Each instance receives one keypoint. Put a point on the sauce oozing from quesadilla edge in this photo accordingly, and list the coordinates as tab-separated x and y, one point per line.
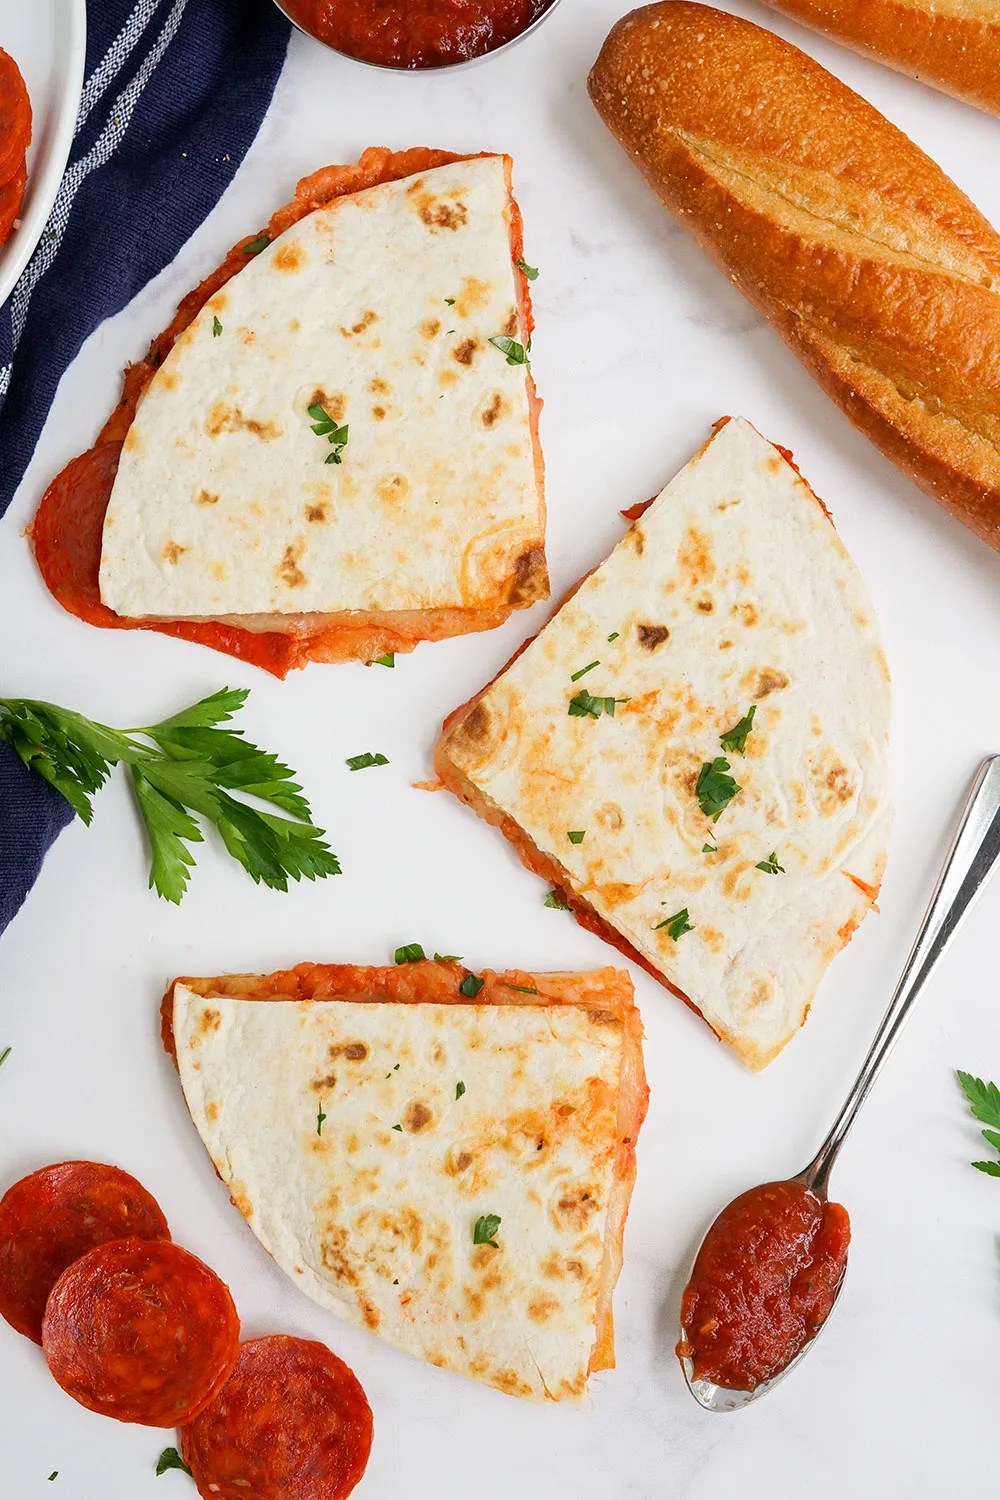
67	531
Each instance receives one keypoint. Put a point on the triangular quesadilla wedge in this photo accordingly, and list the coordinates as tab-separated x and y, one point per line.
325	457
694	749
445	1158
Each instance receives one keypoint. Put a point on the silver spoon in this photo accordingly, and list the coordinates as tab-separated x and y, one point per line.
968	865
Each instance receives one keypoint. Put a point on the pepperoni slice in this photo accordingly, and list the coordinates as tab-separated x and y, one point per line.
291	1421
50	1219
15	116
141	1330
11	198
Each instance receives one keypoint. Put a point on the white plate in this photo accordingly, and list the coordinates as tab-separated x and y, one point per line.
48	41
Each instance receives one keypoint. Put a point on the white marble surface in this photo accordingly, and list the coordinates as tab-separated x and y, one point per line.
640	345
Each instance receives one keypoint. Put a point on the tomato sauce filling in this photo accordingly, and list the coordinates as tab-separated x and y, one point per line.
68	528
415	33
763	1284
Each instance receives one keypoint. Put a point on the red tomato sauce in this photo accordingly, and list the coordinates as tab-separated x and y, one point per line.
763	1284
415	33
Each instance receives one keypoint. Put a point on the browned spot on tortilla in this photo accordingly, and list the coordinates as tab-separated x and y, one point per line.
172	552
531	579
210	1021
223	418
541	1309
435	212
334	406
465	352
769	680
316	512
610	816
206	499
472	295
289	258
725	645
212	1110
367	318
838	781
494	410
747	612
336	1257
638	540
378	412
378	387
651	636
417	1117
574	1208
695	557
353	1051
396	487
430	328
705	606
448	377
370	1313
326	1084
458	1162
476	724
239	1198
510	327
288	569
131	439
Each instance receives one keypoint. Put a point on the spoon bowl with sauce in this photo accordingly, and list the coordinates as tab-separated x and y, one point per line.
772	1265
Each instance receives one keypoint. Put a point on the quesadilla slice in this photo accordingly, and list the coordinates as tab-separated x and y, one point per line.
332	453
442	1157
694	749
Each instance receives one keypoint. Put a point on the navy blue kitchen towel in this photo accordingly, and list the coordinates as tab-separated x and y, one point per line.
174	94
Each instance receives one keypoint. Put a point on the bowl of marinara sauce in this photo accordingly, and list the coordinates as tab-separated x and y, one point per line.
417	35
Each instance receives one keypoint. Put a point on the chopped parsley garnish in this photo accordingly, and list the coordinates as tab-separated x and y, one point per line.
399	1128
735	739
530	271
53	1475
486	1227
388	660
584	670
709	848
526	989
325	426
677	925
613	636
471	985
409	953
576	835
459	1090
256	246
216	328
770	865
450	301
585	704
515	352
447	958
393	1069
320	1117
715	790
362	762
191	767
170	1459
4	1055
984	1100
552	900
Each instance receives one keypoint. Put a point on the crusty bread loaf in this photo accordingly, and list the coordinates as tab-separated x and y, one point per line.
877	271
952	44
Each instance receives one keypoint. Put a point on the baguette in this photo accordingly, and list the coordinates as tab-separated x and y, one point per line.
954	46
876	270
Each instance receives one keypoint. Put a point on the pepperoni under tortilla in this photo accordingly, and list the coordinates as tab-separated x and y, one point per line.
50	1219
67	531
291	1421
15	116
141	1330
11	198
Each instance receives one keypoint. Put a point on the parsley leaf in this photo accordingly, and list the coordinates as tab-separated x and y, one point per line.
256	246
53	1475
735	739
515	352
471	985
170	1459
362	762
399	1128
584	670
450	301
530	271
770	865
486	1227
552	900
576	835
613	636
388	660
4	1055
585	704
459	1090
189	769
709	848
216	328
984	1098
410	953
320	1117
677	925
447	958
715	790
526	989
325	426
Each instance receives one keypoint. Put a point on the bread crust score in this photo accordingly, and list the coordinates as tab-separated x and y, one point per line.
878	272
954	45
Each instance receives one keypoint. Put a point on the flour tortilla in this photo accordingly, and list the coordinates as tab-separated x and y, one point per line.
732	590
523	1105
378	307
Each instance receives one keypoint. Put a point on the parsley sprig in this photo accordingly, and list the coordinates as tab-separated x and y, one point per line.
677	925
517	354
735	739
191	768
170	1459
485	1228
715	789
770	865
325	426
585	705
984	1101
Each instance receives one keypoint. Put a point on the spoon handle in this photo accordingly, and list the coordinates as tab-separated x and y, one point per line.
968	865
